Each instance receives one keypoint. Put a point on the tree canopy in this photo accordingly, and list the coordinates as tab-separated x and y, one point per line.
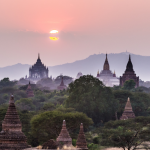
89	95
127	134
47	125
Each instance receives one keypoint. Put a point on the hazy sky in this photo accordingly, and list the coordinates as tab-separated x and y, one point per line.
85	27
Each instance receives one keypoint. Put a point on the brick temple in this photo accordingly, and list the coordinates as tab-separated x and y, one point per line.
128	112
81	141
29	91
62	86
11	136
64	137
129	74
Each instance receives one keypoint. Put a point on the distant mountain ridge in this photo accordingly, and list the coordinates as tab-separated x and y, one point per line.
90	65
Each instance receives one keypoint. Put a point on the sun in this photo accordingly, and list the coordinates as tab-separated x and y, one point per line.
53	31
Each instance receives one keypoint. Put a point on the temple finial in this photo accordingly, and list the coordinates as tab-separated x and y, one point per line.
38	55
128	99
129	57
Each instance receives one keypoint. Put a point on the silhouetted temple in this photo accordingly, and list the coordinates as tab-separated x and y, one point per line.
129	74
106	75
62	86
11	136
38	71
29	91
64	137
128	112
81	141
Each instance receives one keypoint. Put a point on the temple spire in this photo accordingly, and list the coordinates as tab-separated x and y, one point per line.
64	137
81	141
129	66
106	64
11	136
38	55
128	112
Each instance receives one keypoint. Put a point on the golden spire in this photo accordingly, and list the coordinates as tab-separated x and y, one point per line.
114	72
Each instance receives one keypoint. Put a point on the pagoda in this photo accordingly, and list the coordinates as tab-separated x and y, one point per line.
29	91
129	74
11	136
64	138
106	75
128	112
81	141
62	86
38	71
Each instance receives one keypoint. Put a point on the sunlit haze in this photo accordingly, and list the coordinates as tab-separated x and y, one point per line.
84	28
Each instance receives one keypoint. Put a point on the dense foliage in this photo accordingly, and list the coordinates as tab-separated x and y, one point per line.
87	100
126	134
88	95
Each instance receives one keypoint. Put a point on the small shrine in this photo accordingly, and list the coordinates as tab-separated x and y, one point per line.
81	141
62	86
128	112
29	91
64	138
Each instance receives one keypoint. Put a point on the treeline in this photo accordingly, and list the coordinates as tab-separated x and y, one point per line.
86	101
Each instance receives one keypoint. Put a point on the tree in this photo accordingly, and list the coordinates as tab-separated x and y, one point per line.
126	134
89	95
25	104
129	85
48	107
6	82
48	125
140	101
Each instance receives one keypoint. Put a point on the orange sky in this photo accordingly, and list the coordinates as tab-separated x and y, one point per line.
85	27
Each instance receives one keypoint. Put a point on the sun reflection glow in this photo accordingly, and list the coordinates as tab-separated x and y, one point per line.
54	38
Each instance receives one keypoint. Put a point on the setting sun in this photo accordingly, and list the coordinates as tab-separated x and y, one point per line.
54	31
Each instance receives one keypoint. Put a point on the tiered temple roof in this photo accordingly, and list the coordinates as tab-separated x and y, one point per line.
129	74
128	112
38	70
81	141
64	137
11	136
29	91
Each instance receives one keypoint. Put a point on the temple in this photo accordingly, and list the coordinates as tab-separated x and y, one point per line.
11	136
62	86
106	75
129	74
128	112
79	75
29	91
38	71
81	141
64	138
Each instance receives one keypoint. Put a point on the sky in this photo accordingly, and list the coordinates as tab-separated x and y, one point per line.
85	27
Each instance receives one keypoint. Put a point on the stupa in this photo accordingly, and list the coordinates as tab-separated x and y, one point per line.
11	136
81	141
62	86
128	112
29	91
64	138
